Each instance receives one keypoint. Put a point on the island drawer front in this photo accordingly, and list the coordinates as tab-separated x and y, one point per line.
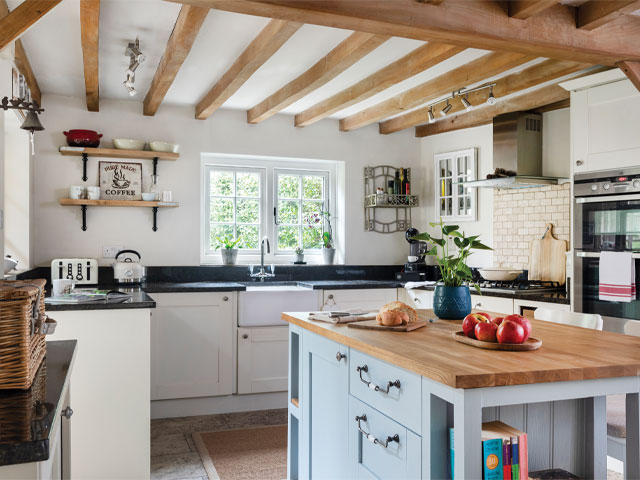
402	404
400	459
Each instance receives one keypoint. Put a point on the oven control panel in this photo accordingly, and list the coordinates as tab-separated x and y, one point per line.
607	185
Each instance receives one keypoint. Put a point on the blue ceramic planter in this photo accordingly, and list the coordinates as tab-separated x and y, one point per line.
451	303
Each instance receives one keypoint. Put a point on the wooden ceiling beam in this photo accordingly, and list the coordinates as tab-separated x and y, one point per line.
22	61
90	37
530	77
22	18
470	24
632	71
414	62
269	40
184	34
348	52
566	103
473	72
596	13
524	9
482	116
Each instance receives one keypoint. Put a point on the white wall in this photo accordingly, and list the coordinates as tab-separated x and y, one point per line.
6	62
556	162
57	229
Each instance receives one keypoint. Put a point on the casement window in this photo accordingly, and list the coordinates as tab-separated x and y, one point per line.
454	201
250	198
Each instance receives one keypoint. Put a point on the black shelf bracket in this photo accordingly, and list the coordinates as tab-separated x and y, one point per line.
155	165
155	219
85	158
84	217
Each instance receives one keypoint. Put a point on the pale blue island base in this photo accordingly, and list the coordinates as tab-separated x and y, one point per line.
352	415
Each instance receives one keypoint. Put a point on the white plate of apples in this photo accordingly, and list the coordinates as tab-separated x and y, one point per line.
512	332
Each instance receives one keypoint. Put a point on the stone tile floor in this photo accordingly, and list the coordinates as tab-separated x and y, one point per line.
173	454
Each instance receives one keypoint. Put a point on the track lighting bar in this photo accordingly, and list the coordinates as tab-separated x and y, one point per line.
463	95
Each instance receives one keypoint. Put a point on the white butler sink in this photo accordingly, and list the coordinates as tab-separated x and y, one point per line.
261	305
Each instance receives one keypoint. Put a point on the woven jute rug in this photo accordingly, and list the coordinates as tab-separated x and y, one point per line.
244	454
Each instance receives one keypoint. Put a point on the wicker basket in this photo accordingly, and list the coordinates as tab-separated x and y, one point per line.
22	343
23	413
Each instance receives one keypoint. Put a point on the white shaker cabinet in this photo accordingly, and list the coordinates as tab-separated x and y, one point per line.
262	359
492	304
604	127
366	299
192	337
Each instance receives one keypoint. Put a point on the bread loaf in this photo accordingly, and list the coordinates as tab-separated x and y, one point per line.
396	313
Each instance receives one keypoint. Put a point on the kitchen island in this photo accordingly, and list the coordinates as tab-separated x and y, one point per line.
403	391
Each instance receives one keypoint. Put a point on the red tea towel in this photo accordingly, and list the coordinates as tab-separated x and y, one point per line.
617	277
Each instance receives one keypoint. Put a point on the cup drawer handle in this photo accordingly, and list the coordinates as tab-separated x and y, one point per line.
371	438
372	385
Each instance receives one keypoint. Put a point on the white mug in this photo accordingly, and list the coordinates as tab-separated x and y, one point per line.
93	193
166	196
412	258
62	286
76	192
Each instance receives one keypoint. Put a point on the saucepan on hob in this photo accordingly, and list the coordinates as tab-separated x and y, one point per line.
497	274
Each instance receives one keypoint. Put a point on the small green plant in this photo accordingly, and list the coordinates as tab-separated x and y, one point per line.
299	251
453	267
227	241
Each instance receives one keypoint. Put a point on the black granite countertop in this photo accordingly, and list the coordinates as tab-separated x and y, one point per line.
174	287
138	299
349	284
27	416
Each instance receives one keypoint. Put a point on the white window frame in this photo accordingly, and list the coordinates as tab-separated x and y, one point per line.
472	153
270	165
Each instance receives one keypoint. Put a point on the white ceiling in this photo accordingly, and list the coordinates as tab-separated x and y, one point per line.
53	47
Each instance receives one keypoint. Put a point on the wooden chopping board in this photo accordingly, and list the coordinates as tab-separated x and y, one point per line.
374	325
547	261
531	344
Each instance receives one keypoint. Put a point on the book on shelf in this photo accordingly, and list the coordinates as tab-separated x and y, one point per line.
86	295
518	447
492	459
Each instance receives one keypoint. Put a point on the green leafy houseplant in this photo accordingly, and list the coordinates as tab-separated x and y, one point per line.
453	267
227	242
299	251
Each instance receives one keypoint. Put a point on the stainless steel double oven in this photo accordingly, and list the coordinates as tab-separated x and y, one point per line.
606	217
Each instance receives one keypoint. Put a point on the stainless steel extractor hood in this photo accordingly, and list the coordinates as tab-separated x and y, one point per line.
517	147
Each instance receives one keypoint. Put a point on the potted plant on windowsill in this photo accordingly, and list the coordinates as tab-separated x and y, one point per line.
228	252
328	245
451	298
299	255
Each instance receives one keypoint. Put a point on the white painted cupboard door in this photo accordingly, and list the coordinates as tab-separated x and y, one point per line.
366	299
492	304
191	346
263	359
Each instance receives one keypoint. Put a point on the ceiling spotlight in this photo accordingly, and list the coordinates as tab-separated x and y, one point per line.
446	109
431	117
491	100
136	57
466	103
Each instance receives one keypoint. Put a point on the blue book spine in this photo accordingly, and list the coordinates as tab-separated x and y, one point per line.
492	459
451	451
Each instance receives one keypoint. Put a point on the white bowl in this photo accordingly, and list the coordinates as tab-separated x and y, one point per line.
496	274
128	144
149	197
158	146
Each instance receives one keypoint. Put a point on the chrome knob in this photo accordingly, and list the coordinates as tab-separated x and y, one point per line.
340	356
636	183
245	336
330	297
477	305
579	163
594	188
226	299
606	186
67	412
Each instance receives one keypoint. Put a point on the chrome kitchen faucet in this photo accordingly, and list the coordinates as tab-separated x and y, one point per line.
262	274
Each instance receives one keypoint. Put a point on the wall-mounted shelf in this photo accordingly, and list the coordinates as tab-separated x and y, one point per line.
83	204
379	176
85	153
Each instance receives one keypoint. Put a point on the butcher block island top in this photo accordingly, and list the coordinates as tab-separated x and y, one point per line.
567	353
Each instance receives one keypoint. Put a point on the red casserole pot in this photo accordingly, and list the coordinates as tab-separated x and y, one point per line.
83	138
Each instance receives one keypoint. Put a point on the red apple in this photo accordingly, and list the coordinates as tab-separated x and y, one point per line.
486	332
510	332
498	320
524	321
470	321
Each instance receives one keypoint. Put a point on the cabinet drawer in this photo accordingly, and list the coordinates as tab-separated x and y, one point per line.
486	303
421	298
399	459
402	404
371	298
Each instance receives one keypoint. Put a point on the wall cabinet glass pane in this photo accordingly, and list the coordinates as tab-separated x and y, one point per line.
454	201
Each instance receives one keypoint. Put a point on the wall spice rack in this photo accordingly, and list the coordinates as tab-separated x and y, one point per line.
379	176
83	204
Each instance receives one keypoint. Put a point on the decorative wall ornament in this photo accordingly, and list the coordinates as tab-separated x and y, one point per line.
120	180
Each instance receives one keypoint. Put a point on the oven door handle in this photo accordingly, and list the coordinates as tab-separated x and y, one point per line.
597	255
609	198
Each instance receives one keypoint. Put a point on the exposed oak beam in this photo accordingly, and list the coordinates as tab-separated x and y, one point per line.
348	52
470	23
482	116
268	42
524	9
22	18
632	71
414	62
22	61
554	106
530	77
431	2
90	35
179	45
596	13
473	72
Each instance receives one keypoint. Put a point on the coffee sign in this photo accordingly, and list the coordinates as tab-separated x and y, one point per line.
120	181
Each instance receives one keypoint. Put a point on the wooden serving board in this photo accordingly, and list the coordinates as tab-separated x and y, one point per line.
547	261
374	325
531	344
